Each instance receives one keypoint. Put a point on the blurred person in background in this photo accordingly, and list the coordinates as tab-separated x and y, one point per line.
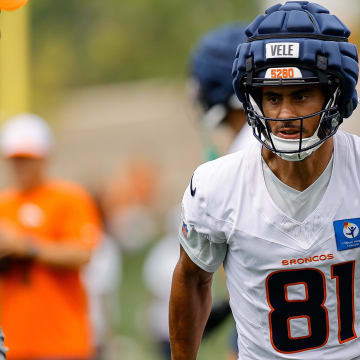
211	87
48	230
210	69
158	268
129	203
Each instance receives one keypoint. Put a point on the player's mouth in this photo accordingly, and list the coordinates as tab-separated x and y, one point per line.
289	133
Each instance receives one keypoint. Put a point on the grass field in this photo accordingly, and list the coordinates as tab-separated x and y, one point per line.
132	339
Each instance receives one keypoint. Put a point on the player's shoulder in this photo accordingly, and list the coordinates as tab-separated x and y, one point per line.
351	140
349	145
226	168
217	184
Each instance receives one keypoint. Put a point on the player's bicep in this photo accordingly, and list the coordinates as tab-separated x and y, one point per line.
190	270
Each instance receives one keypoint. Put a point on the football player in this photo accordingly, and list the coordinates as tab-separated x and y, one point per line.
283	214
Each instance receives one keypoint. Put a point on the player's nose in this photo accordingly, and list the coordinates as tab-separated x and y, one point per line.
286	109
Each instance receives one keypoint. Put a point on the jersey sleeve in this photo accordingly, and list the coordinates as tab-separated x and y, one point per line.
201	234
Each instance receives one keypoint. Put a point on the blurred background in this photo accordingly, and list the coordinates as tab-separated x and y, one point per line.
110	78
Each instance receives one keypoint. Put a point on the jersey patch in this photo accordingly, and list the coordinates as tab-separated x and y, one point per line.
347	233
282	50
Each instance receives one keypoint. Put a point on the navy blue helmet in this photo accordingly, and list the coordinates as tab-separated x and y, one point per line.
211	66
297	43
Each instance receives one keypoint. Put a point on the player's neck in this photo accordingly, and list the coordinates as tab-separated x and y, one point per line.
300	174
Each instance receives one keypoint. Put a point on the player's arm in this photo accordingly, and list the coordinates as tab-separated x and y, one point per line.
190	305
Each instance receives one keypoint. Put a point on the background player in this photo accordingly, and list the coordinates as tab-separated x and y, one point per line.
210	68
211	86
278	215
48	229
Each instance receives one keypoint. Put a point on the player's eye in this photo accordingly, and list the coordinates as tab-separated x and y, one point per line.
301	97
273	99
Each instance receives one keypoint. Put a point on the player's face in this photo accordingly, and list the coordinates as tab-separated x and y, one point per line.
285	102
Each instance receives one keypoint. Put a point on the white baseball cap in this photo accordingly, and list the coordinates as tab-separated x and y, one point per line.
26	135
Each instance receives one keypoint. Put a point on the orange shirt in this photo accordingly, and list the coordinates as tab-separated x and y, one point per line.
43	309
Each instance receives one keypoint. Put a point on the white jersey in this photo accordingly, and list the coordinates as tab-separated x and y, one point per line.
294	203
294	286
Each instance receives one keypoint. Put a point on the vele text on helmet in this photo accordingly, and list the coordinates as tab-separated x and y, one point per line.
282	50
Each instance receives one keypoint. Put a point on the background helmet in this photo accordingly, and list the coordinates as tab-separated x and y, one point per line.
210	70
292	44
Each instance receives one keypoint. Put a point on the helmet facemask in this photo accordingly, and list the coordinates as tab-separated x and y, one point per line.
300	148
